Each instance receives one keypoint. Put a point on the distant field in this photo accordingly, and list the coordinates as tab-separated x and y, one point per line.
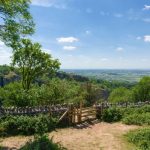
108	74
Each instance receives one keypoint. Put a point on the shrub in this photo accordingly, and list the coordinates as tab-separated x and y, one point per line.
137	119
25	125
120	94
137	110
140	137
111	115
137	116
13	94
42	143
54	91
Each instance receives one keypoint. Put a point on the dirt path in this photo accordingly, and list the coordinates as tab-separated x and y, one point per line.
100	136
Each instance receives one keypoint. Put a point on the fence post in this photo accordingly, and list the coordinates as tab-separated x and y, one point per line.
102	107
70	114
80	112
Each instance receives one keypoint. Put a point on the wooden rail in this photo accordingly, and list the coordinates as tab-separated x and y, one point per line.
53	109
124	104
68	112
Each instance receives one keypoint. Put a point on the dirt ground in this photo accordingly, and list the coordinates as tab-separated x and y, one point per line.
97	136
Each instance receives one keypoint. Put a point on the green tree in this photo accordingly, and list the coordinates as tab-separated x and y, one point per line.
57	91
32	62
16	21
94	93
13	94
141	92
120	94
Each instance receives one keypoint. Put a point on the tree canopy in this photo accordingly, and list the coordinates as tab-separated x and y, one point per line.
32	62
120	94
141	92
16	21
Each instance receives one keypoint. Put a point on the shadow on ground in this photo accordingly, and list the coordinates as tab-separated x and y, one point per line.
7	148
86	124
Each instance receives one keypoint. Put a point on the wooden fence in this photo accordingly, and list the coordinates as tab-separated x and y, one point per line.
68	112
78	115
123	104
53	109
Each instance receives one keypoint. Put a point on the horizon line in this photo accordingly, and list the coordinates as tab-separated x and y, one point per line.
104	68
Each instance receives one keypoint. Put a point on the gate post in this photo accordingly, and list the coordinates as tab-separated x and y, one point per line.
80	113
71	114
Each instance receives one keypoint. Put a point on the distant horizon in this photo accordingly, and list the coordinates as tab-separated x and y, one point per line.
105	69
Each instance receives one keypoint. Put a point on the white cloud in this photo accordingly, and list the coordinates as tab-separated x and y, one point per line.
67	39
147	38
69	48
47	50
146	7
50	3
44	3
119	49
138	38
118	15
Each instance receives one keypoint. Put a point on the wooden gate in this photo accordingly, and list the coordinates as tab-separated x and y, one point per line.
78	115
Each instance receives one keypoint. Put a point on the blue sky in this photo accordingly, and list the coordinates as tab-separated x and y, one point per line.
93	34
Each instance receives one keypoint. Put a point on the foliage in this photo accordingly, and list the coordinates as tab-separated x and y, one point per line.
56	91
137	116
113	84
111	115
141	92
32	62
61	91
27	125
42	143
140	137
137	119
135	110
94	93
4	69
69	76
121	94
13	94
17	21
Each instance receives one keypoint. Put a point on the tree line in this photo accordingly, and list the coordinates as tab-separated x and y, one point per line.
37	84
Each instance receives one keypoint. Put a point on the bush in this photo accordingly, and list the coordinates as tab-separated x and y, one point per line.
137	116
137	119
42	143
140	137
137	110
120	94
111	115
13	94
25	125
54	91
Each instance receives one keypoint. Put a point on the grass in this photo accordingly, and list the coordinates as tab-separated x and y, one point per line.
140	138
